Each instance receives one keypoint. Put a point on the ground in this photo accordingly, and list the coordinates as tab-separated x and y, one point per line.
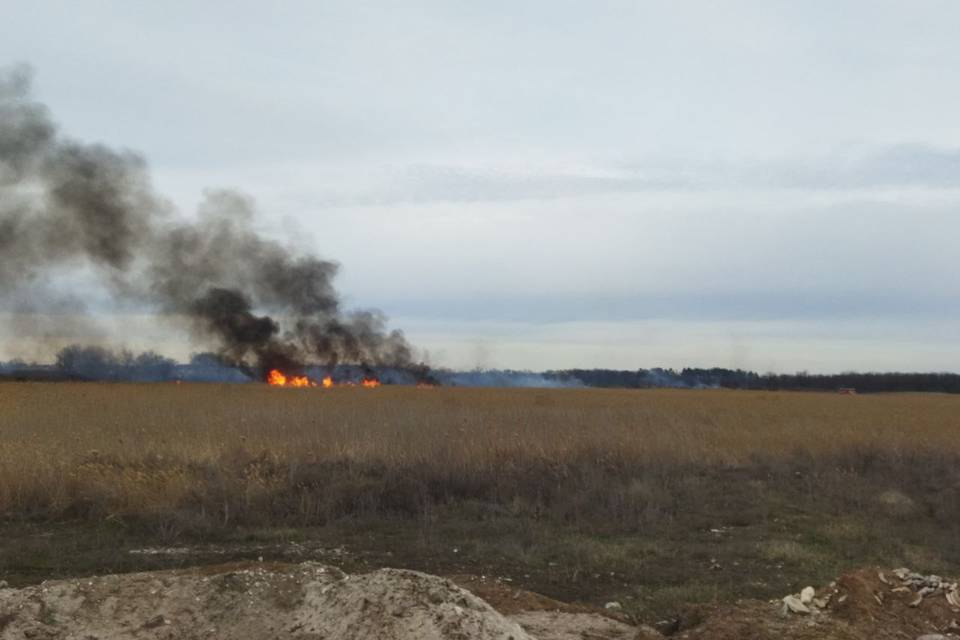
667	502
253	600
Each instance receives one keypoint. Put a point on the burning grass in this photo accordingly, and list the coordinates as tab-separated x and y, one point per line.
744	490
276	378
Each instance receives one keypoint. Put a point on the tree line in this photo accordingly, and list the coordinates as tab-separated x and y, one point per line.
717	377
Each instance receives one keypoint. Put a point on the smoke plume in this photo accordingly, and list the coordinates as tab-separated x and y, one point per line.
255	302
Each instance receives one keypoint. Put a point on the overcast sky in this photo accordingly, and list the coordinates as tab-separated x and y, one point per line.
543	184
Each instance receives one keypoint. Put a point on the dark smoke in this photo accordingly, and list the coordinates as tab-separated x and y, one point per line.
252	300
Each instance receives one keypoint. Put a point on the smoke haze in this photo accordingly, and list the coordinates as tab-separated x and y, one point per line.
68	207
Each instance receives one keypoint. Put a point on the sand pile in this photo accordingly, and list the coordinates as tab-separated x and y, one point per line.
253	601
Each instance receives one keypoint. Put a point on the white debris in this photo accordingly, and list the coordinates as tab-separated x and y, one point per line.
806	596
925	587
794	605
953	597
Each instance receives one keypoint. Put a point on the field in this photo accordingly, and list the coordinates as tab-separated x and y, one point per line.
652	498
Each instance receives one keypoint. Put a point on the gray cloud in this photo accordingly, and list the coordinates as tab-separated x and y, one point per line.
749	306
901	165
856	170
552	161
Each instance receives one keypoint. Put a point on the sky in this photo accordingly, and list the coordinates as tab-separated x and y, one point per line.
549	184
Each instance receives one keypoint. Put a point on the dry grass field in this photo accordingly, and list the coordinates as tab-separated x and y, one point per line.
651	497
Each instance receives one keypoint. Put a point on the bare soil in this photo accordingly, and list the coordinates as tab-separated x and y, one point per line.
251	601
862	607
254	600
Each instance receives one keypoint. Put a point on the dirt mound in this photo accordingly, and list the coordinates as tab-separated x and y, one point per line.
867	604
878	600
253	601
247	601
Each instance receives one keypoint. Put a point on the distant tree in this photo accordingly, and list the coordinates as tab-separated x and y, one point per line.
99	363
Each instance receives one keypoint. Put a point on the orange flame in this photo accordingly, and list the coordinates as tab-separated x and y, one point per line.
277	379
301	381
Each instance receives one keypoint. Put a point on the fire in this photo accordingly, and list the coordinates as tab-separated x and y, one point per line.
301	381
277	378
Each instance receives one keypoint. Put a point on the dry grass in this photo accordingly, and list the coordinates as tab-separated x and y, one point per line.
647	497
228	453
